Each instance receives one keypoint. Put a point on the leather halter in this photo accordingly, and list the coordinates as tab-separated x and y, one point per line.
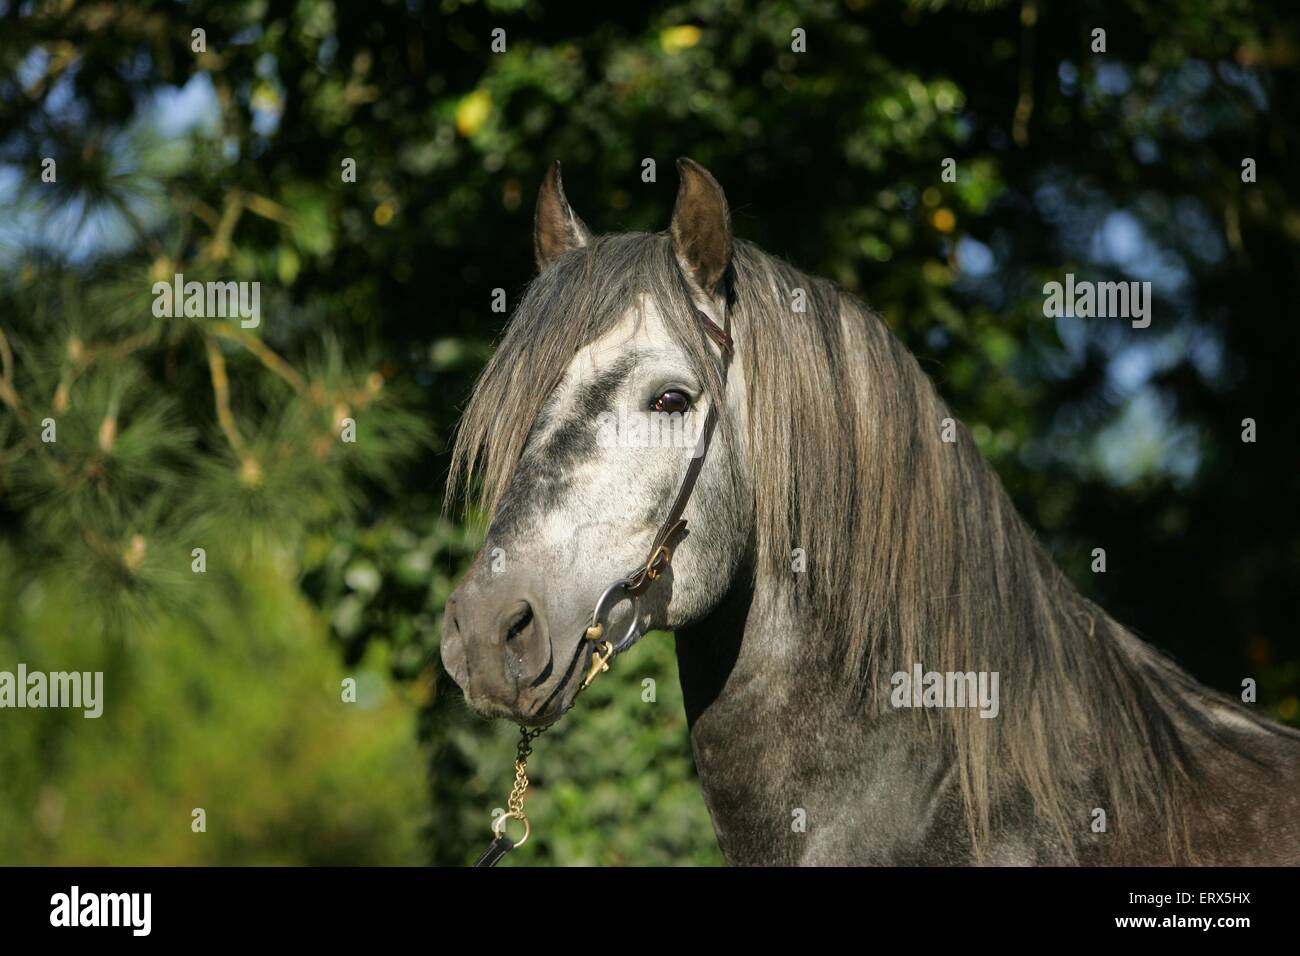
628	588
660	557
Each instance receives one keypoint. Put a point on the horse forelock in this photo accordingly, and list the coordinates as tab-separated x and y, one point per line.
571	304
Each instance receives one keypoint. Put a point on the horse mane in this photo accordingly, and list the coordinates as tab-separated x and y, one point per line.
916	554
914	551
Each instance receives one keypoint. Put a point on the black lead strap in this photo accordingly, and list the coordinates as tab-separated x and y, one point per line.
495	851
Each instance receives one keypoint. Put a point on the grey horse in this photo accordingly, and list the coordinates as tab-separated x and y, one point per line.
880	665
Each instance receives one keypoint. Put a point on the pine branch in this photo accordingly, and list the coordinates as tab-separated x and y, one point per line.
221	391
266	208
265	354
83	358
219	248
8	394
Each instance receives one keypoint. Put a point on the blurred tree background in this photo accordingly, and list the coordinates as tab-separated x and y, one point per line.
224	160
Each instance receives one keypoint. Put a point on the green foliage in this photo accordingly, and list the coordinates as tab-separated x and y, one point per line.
232	705
176	433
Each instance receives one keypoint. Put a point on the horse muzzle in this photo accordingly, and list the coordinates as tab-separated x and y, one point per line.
497	646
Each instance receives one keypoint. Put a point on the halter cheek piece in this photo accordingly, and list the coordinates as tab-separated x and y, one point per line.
631	587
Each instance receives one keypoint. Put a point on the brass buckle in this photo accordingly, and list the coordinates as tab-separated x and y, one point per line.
600	656
654	567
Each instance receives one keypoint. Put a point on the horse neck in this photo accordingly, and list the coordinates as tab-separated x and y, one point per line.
791	771
797	768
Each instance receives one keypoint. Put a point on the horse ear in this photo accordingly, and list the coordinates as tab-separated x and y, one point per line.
556	227
701	228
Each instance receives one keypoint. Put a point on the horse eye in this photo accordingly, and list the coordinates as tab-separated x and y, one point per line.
671	401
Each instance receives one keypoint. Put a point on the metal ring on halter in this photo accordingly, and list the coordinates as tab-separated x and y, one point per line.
499	826
617	590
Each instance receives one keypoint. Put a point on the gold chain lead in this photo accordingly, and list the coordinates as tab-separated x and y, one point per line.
515	802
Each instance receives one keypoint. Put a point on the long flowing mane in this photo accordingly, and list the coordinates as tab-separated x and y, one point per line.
914	551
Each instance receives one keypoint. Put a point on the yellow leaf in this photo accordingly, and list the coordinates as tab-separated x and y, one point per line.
266	98
675	39
472	112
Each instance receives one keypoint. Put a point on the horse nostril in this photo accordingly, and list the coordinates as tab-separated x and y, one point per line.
519	621
520	637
